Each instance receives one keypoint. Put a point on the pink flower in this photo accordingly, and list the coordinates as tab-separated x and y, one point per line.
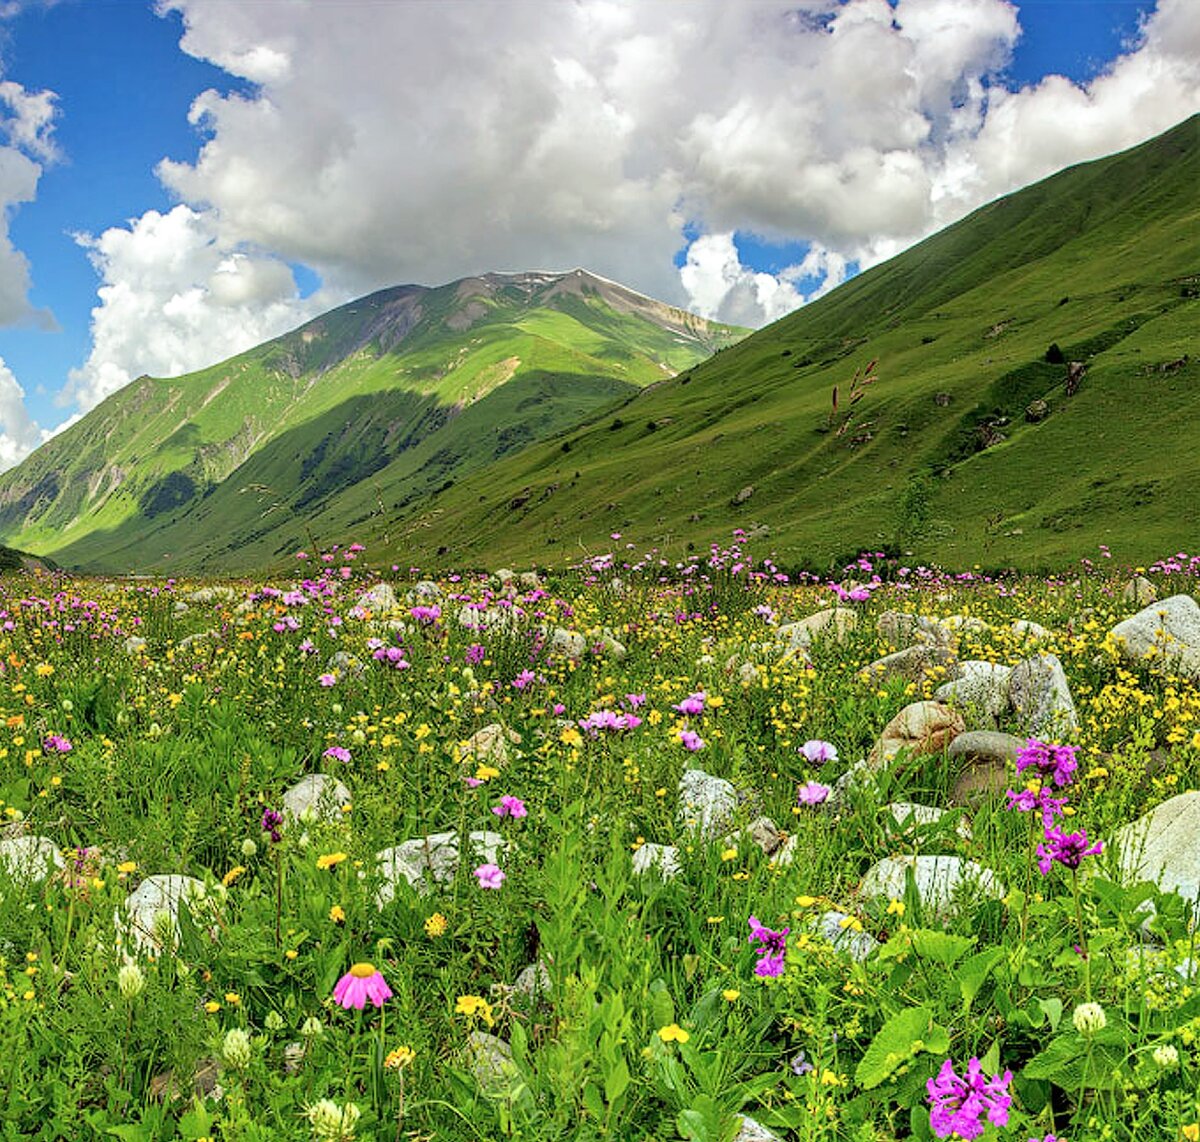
818	751
489	876
693	704
337	752
813	793
691	740
328	679
510	807
360	983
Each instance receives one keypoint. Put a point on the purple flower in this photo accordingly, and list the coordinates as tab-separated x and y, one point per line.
1027	801
56	743
635	700
959	1104
800	1064
337	752
328	680
813	793
524	679
474	654
426	616
1068	849
819	752
510	807
693	704
691	740
1055	763
772	946
272	821
489	876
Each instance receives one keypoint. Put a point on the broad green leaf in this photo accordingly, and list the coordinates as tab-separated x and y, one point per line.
1053	1007
973	974
897	1041
941	947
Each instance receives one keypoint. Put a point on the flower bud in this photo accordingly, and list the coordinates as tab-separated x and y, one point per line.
130	981
273	1021
1089	1018
311	1028
249	848
236	1049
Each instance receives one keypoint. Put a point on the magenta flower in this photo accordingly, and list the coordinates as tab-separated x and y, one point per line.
1054	763
337	752
426	616
813	793
1068	849
1027	801
272	822
819	752
474	654
56	743
328	680
958	1105
510	807
691	740
524	679
360	983
772	947
693	704
489	876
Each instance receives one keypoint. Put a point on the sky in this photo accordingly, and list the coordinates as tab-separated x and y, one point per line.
184	179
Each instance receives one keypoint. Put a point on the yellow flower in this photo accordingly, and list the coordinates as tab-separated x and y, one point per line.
212	1007
330	860
43	670
829	1078
290	954
399	1058
435	926
729	854
1191	1132
486	772
232	998
127	866
673	1033
806	901
474	1005
896	908
231	875
571	736
730	994
851	923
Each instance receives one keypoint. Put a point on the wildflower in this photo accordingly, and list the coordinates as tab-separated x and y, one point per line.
1068	849
692	705
813	793
331	1123
435	926
1191	1132
1055	763
127	866
524	679
330	860
474	1005
399	1058
510	807
274	1022
819	752
691	741
130	981
272	822
489	876
337	914
958	1104
800	1065
1166	1056
235	1050
1089	1018
1028	800
56	743
895	908
233	874
772	947
338	753
360	983
328	680
673	1033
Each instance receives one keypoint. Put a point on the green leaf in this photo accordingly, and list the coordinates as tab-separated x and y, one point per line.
1053	1007
898	1040
941	947
592	1102
616	1081
661	1004
973	974
990	1062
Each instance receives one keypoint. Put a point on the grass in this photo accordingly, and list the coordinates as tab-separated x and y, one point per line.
162	755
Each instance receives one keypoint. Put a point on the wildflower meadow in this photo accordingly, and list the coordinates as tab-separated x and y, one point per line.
643	850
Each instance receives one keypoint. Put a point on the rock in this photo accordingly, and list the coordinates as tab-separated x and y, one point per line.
914	664
920	728
608	647
28	859
534	981
435	856
1036	411
134	644
752	1131
489	1059
762	831
342	663
959	625
747	673
423	592
1139	592
504	576
662	858
943	883
912	817
833	622
212	595
1160	846
706	803
902	629
981	690
845	933
860	775
194	640
1029	631
743	495
529	581
1166	631
489	746
1038	692
566	644
987	761
380	599
316	797
159	896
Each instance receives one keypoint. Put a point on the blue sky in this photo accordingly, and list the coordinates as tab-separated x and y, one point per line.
708	153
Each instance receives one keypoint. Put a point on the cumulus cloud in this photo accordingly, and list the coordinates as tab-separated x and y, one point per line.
386	143
19	434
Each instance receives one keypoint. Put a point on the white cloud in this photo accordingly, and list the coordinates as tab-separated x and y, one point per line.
19	434
412	141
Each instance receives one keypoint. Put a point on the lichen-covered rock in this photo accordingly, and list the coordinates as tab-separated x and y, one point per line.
664	859
980	691
152	910
489	746
846	934
706	803
316	797
985	759
832	623
1139	592
1161	847
943	883
914	663
434	857
29	859
1166	633
1039	693
379	600
920	728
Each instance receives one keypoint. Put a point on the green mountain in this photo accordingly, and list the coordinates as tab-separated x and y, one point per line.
978	441
329	429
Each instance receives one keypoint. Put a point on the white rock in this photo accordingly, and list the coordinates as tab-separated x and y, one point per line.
435	856
844	933
1029	631
134	644
379	599
982	689
490	1061
490	745
1161	847
664	859
1139	591
534	981
155	896
1039	693
752	1131
316	797
1167	632
706	803
29	859
567	644
833	622
910	814
943	883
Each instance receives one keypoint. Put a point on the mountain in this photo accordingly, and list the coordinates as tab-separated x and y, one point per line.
978	441
341	421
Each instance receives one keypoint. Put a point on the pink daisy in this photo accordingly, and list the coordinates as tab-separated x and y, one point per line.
360	983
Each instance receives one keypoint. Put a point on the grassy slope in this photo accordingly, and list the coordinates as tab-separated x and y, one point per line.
195	464
1103	260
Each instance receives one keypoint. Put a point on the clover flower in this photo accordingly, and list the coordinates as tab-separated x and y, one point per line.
362	982
272	822
958	1104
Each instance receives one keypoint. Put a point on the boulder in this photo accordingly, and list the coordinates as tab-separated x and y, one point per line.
489	1059
913	817
316	797
832	623
845	934
1161	847
664	859
152	910
1039	693
1167	632
1029	631
435	857
980	691
1139	592
751	1131
920	728
489	746
706	803
901	628
943	883
29	859
762	831
913	664
380	599
534	981
566	644
987	759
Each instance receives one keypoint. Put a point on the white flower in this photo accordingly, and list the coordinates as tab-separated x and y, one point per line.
1166	1056
236	1049
130	981
1089	1018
